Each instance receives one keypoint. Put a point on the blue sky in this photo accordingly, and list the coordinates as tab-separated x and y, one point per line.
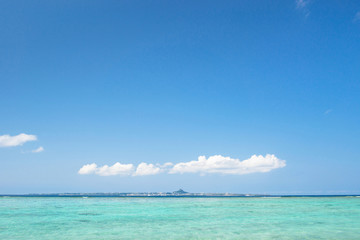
169	81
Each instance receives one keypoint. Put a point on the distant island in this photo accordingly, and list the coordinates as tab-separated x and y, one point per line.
178	193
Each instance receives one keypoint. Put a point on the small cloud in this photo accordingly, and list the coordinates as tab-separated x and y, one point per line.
302	5
88	169
212	165
147	169
38	150
116	169
357	17
328	111
18	140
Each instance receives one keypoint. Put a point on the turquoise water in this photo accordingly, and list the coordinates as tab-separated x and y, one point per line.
179	218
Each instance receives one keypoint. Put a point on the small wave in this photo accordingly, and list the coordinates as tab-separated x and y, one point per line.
89	214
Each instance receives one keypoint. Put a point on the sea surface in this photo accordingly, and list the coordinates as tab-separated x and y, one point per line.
179	218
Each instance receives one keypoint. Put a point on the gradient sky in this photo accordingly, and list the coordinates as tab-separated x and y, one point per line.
168	81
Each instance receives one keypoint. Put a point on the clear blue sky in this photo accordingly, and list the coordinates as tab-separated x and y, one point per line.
168	81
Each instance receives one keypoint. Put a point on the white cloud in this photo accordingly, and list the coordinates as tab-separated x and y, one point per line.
18	140
116	169
227	165
212	165
147	169
88	169
38	150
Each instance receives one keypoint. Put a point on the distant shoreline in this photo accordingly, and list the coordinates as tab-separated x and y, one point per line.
161	195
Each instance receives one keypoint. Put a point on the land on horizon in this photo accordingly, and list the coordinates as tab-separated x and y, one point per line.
178	193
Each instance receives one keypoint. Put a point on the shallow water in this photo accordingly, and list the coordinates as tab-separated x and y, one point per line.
179	218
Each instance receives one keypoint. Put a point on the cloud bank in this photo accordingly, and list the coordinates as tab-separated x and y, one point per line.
227	165
216	164
18	140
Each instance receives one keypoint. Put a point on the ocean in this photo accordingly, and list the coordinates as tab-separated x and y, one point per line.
179	218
